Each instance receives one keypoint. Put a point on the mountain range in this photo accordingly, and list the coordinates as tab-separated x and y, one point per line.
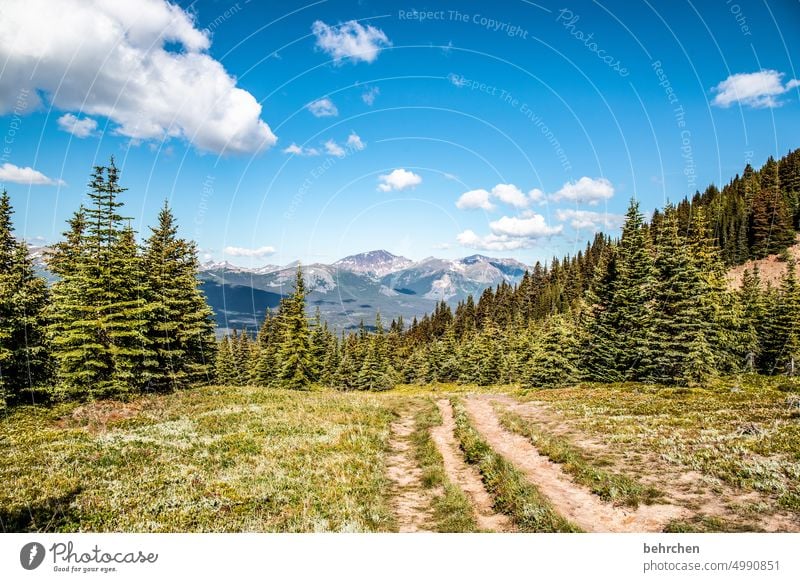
353	289
348	291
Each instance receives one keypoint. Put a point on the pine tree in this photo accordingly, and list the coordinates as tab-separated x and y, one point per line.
181	322
771	223
96	346
125	318
751	299
376	373
225	365
633	294
554	358
679	336
266	367
73	329
25	364
296	368
781	350
600	357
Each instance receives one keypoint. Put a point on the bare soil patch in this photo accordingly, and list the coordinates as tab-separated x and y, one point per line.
464	475
698	494
411	501
572	501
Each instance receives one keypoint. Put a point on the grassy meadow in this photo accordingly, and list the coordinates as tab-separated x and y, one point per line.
253	459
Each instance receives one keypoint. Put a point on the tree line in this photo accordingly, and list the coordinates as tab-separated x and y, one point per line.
653	306
120	318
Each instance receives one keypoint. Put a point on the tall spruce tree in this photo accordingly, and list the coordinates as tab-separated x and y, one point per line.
181	322
633	295
296	370
25	364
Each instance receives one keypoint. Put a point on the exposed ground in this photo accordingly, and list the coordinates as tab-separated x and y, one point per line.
437	458
771	268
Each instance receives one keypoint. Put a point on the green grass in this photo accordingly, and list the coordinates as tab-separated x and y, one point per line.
207	459
742	431
588	471
452	509
513	494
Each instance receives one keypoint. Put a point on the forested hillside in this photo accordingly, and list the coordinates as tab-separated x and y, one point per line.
653	306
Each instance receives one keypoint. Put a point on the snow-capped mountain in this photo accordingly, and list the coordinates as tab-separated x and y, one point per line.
354	288
374	263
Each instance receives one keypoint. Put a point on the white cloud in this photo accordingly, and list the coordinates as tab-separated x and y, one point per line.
300	151
505	193
334	149
27	175
531	226
537	195
354	142
350	40
78	127
492	242
398	179
474	200
323	108
510	194
258	253
588	190
370	94
110	59
589	220
757	90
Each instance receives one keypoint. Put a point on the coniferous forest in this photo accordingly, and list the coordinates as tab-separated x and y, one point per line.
126	317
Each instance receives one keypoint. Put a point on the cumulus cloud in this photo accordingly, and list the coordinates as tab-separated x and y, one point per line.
589	220
323	108
350	40
586	190
398	179
370	94
78	127
505	193
334	149
756	90
510	194
258	253
537	195
355	142
492	242
300	151
11	173
117	60
531	226
510	233
474	200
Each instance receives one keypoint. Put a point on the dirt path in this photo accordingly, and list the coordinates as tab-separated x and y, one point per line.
411	501
574	502
699	494
466	476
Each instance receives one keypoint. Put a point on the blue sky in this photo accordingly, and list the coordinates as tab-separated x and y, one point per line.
292	130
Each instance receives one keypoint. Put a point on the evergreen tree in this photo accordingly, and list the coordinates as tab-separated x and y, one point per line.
296	369
225	366
554	358
266	367
24	357
781	348
181	322
633	295
679	347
